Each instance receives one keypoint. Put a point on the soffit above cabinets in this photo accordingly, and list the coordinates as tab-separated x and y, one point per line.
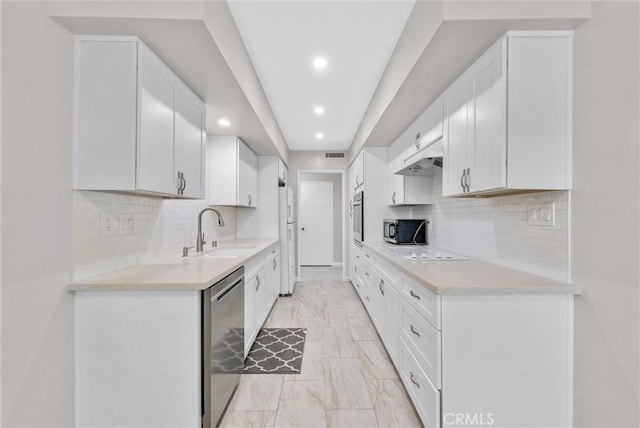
283	39
199	42
440	40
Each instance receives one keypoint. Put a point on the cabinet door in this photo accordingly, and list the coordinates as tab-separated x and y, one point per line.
457	135
249	314
262	298
252	179
392	321
243	174
247	176
488	169
155	143
396	182
379	303
189	144
431	123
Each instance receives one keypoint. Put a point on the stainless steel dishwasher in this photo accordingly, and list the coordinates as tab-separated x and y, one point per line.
222	344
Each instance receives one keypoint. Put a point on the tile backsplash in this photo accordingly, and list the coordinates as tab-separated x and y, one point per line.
496	230
159	230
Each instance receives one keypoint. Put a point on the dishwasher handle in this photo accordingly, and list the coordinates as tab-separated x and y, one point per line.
224	293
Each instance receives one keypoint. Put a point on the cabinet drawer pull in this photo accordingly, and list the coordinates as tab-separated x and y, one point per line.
414	295
274	264
464	172
413	330
413	380
249	199
393	198
367	255
258	281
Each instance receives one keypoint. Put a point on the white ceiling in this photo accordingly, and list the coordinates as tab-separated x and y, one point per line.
283	38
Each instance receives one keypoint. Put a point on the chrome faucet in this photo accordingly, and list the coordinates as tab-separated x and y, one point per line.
200	240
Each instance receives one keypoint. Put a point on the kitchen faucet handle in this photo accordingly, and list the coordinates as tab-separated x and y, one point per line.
203	241
185	251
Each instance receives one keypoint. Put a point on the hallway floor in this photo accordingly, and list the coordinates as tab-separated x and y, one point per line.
347	378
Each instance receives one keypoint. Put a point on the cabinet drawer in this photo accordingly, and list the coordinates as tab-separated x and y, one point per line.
424	340
425	397
387	272
423	300
368	254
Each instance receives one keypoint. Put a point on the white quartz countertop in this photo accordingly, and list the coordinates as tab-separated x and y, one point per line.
197	272
461	277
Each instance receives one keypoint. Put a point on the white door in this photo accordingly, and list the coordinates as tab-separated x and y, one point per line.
316	223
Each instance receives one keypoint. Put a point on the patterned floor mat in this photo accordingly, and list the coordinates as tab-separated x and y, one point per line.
277	351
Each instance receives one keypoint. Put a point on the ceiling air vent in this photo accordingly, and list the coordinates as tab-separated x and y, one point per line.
334	155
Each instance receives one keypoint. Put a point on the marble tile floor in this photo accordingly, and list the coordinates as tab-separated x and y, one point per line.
308	273
347	378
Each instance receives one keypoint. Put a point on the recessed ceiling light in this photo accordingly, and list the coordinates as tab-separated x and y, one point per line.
318	110
319	135
320	63
224	123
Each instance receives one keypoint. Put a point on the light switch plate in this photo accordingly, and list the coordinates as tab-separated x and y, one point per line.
541	214
126	224
107	224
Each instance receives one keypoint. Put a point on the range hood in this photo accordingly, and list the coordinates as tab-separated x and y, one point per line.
422	162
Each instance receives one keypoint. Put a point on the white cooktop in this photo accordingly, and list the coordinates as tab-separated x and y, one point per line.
420	252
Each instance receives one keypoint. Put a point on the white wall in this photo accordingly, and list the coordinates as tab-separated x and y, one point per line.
161	227
605	215
338	209
310	160
37	311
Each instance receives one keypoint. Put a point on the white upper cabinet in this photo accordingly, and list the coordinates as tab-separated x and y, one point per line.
426	130
404	189
232	173
137	127
508	118
357	171
190	140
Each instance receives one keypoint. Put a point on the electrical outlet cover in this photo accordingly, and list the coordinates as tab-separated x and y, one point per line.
107	224
126	224
541	214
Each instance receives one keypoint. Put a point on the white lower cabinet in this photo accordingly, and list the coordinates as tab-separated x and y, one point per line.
492	359
261	290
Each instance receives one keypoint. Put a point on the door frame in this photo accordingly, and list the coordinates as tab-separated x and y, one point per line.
342	213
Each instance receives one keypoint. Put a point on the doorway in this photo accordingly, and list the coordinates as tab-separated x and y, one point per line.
320	223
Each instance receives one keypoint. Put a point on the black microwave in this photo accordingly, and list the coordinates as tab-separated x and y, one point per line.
406	231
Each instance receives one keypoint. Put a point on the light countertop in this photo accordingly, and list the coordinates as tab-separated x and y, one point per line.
196	272
461	277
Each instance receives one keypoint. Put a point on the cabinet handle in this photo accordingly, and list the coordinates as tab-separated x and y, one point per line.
367	297
274	264
393	198
413	380
380	286
413	330
355	269
417	141
367	255
464	172
249	199
181	183
357	284
414	295
366	273
258	281
467	179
